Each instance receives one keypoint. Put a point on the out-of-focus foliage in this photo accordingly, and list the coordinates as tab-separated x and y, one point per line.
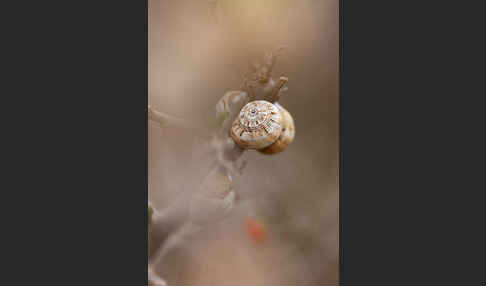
150	211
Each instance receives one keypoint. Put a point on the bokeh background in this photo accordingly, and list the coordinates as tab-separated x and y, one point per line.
192	62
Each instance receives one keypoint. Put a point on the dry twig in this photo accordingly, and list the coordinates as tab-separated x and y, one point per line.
173	227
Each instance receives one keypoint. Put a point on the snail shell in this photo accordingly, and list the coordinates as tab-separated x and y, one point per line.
263	126
257	126
286	135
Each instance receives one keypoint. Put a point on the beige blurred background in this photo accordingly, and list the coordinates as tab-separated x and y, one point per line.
191	64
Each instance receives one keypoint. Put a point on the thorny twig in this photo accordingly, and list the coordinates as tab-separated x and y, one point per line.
220	145
176	239
154	279
258	82
166	120
171	228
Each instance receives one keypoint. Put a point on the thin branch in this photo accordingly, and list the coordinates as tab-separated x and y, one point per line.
154	279
166	120
258	82
282	81
176	239
271	60
169	220
174	227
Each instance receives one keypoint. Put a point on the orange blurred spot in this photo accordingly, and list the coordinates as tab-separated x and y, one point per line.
256	230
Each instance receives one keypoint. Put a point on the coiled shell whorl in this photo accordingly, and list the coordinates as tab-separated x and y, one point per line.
286	135
257	126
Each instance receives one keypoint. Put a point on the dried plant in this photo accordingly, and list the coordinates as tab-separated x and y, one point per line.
216	197
190	213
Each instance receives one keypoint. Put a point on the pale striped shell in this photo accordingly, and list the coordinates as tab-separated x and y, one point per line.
286	136
257	126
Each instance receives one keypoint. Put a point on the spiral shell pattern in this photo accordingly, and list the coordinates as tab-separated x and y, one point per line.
257	126
286	136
